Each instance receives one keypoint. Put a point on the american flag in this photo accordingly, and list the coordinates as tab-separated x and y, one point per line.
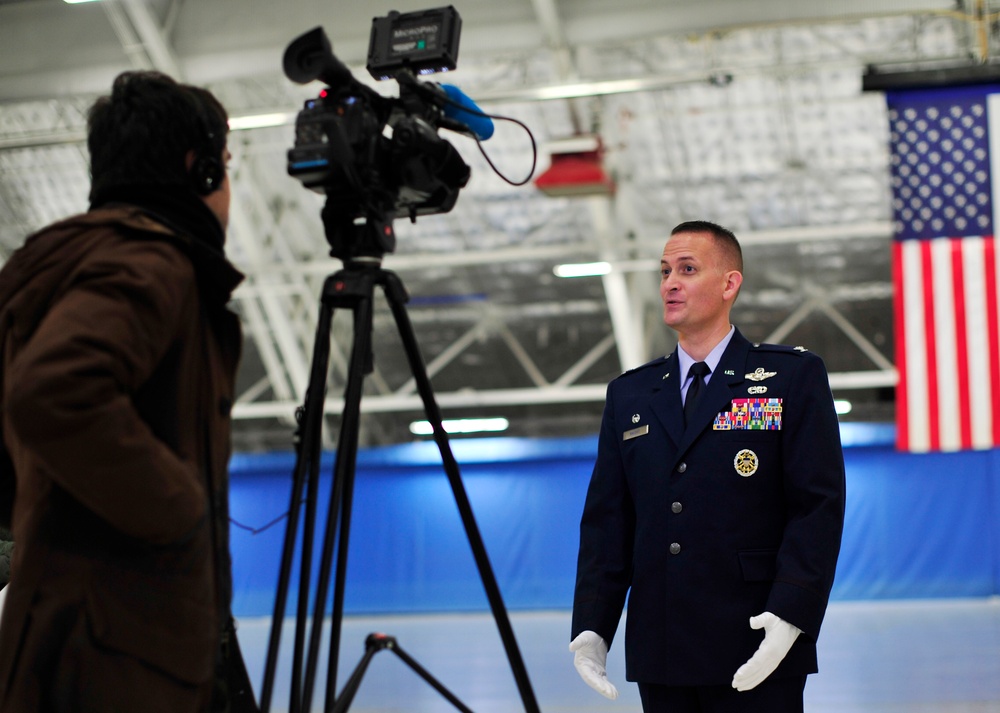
945	146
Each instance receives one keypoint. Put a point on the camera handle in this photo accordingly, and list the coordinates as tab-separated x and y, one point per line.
353	288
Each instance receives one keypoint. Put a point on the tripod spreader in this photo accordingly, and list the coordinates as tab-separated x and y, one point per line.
380	642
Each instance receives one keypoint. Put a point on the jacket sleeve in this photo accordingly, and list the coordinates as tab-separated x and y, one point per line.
607	532
69	391
814	487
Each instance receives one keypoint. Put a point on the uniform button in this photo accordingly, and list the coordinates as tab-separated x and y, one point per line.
675	549
676	507
682	467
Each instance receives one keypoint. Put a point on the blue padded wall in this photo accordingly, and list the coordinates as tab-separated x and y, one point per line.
917	525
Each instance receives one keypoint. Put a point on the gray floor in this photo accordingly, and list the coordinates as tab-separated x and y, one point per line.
882	657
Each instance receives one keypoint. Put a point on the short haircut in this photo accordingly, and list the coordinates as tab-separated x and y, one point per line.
723	237
142	132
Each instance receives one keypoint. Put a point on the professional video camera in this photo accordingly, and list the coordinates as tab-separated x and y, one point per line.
378	158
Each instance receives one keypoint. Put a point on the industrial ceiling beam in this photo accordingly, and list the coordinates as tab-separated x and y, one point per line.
294	361
626	314
584	393
148	37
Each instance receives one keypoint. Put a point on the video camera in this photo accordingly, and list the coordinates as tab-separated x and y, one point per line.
377	158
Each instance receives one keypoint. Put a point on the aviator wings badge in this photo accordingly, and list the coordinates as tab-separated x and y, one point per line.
759	374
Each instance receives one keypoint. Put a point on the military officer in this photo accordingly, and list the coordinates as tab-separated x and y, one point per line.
715	506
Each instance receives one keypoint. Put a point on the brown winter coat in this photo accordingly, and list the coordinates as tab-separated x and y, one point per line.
117	371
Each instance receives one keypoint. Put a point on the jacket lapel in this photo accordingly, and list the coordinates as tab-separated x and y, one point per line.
665	400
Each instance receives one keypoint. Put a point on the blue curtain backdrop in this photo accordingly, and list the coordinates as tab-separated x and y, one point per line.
917	526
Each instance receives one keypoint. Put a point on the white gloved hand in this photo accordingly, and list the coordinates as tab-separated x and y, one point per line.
779	636
590	656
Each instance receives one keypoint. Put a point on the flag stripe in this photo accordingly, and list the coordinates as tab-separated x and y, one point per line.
992	273
962	431
911	314
902	392
977	385
930	345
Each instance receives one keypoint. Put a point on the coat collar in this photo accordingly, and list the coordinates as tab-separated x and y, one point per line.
216	274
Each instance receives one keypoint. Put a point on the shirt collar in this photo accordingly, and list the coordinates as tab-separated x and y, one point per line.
713	358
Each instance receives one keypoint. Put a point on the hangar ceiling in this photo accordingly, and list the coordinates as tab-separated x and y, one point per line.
747	114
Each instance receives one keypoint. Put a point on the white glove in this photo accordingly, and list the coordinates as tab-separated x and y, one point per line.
779	636
591	658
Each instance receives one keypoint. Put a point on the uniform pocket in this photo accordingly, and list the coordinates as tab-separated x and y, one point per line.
758	565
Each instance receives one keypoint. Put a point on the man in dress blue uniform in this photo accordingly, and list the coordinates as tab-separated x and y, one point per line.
716	505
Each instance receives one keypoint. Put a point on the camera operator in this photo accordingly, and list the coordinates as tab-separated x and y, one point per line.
117	368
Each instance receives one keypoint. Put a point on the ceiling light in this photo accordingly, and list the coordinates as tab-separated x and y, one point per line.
462	425
583	269
253	121
591	89
76	2
842	407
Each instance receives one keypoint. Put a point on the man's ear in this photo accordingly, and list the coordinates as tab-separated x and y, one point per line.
734	280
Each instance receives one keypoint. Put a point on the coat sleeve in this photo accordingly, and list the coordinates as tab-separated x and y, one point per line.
814	487
69	391
607	531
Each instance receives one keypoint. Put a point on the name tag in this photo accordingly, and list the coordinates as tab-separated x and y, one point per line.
636	432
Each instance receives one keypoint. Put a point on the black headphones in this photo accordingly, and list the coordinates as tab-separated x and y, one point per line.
207	172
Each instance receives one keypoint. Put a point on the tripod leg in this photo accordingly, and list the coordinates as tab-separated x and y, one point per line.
435	684
309	445
298	702
354	682
346	476
396	296
358	296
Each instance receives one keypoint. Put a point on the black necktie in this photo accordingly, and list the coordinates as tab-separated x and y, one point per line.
698	371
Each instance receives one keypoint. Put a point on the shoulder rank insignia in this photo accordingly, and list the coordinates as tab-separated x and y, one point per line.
759	374
801	349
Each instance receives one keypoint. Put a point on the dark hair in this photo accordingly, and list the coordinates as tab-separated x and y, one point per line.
142	132
723	236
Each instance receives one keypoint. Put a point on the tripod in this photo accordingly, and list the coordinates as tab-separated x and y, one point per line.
353	288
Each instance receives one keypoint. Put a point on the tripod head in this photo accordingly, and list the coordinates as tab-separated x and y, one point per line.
370	236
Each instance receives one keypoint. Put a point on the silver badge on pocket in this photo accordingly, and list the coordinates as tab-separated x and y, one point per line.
746	462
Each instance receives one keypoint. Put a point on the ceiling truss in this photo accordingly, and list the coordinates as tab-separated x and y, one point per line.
664	106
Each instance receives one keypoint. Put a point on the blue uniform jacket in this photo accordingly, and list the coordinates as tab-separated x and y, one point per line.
705	526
